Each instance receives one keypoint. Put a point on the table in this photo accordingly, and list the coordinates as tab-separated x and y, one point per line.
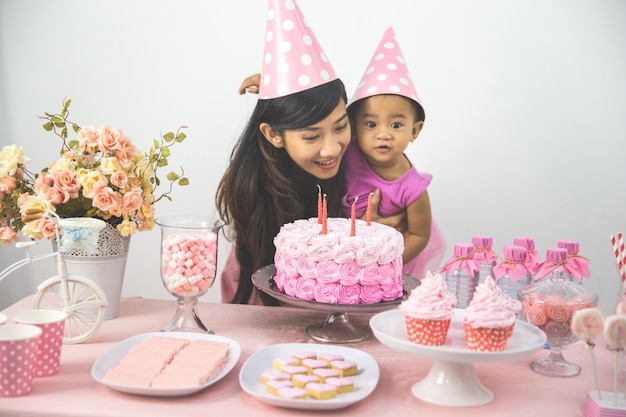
518	390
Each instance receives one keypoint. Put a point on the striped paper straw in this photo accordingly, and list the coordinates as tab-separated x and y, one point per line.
623	257
618	250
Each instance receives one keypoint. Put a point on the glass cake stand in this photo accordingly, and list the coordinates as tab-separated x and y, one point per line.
452	380
337	327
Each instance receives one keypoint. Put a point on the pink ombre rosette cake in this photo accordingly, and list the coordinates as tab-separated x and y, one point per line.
336	267
488	321
428	311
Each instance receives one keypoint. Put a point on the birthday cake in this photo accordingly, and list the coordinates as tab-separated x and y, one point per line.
339	261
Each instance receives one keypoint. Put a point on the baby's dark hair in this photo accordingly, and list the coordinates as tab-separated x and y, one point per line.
419	113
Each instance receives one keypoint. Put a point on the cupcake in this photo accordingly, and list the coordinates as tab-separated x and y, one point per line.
428	311
488	321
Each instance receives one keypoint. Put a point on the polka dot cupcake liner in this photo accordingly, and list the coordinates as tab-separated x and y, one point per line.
486	340
426	332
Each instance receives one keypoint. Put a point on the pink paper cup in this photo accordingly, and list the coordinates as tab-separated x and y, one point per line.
51	323
18	358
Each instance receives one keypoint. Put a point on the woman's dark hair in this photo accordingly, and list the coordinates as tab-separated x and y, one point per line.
263	188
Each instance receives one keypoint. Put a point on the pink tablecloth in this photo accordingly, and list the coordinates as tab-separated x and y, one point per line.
518	391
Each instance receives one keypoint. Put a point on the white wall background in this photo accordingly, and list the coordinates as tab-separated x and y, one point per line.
525	104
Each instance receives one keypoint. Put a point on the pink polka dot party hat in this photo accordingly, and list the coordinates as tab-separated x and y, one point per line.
293	60
387	72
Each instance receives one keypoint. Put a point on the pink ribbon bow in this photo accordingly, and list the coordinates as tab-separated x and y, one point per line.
556	260
482	250
513	265
462	259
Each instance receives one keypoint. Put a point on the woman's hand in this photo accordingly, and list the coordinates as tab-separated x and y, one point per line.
250	84
397	221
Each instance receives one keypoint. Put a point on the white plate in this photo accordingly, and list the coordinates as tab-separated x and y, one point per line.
389	327
114	355
364	382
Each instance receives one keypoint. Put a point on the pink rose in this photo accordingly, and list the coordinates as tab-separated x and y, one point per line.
8	235
7	184
42	183
105	198
48	228
132	200
88	136
109	139
56	196
21	199
119	179
67	181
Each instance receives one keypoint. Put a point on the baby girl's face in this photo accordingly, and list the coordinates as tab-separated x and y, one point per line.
384	126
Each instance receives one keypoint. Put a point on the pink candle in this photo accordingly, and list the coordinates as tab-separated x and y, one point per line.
369	209
324	217
319	205
353	218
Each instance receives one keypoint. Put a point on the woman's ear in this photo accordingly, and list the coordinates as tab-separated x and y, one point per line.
417	128
274	138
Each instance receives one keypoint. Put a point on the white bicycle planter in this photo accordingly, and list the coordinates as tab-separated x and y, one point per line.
78	296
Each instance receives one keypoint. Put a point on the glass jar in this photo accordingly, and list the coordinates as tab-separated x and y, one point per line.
550	304
188	265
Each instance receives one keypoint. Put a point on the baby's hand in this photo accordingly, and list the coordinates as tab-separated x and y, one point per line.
397	221
250	84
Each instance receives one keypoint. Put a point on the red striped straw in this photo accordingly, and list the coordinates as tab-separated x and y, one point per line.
620	255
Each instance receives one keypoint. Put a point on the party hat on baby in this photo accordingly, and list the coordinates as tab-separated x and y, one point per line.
387	72
293	60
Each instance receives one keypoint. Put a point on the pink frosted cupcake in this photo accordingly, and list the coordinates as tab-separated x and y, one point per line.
428	311
488	321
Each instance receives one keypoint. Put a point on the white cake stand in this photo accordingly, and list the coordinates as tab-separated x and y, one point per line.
452	380
337	327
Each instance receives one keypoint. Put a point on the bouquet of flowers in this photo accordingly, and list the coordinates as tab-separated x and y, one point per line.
99	174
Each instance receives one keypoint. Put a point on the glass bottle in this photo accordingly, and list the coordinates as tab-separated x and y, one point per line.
462	274
577	265
484	256
511	275
532	257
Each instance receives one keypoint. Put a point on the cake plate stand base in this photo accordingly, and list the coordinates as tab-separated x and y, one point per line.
336	329
452	384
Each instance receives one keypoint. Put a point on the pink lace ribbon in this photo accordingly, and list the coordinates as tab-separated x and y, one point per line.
513	265
462	259
482	249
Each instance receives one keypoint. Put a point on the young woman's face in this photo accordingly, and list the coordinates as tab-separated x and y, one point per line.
319	148
384	126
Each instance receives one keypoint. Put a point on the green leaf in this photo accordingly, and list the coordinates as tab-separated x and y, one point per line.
157	180
76	128
48	126
168	197
183	181
172	176
67	103
162	163
165	152
155	144
168	137
73	143
64	131
181	137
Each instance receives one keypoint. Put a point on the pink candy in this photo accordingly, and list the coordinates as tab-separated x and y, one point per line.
188	263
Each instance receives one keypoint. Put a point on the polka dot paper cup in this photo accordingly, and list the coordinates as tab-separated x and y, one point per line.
51	323
18	356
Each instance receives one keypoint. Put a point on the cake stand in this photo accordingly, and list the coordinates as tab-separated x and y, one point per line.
452	380
337	327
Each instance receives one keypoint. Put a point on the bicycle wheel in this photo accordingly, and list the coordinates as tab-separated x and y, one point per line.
84	307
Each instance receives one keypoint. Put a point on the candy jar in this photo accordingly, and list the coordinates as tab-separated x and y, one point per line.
532	257
484	256
462	274
188	265
511	275
578	265
550	304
